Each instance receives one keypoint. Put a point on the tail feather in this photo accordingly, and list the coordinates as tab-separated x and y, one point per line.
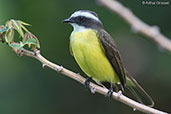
138	91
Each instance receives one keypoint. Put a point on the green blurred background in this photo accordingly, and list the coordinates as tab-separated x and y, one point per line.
27	88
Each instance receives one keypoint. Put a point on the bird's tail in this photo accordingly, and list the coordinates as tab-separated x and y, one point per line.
136	90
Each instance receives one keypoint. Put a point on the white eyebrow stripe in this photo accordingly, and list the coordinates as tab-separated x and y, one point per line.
86	14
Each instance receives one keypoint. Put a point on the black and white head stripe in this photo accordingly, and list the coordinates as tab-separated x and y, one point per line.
86	18
86	13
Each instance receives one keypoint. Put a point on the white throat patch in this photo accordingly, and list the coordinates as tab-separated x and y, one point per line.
78	28
86	14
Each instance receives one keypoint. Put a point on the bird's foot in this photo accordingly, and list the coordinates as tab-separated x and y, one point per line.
110	93
87	82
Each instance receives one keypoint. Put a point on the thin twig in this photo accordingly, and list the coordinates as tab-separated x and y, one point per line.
95	88
137	25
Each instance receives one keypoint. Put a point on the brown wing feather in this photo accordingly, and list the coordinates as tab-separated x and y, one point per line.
112	54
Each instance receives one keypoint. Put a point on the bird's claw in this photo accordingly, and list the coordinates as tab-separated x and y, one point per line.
87	82
110	93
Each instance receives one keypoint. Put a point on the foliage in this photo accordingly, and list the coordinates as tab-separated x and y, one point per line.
7	33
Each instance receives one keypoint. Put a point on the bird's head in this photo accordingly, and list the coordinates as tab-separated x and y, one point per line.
84	19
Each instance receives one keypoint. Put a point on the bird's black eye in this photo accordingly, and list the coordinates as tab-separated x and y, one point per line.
81	18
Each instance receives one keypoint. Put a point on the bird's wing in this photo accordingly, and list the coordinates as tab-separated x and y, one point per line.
112	54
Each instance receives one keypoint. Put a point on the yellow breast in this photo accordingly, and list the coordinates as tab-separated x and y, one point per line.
88	53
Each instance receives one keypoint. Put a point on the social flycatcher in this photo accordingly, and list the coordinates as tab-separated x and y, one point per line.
97	55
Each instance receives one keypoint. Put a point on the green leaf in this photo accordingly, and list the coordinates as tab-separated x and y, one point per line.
29	35
9	36
24	28
22	25
8	24
17	27
17	46
4	29
38	43
30	42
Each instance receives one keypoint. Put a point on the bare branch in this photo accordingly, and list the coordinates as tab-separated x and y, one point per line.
138	25
95	88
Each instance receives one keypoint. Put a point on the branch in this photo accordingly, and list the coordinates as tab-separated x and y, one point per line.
138	25
93	87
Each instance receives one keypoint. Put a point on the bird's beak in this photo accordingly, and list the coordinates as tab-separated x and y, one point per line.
68	20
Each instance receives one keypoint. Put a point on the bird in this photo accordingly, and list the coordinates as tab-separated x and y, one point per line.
99	58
